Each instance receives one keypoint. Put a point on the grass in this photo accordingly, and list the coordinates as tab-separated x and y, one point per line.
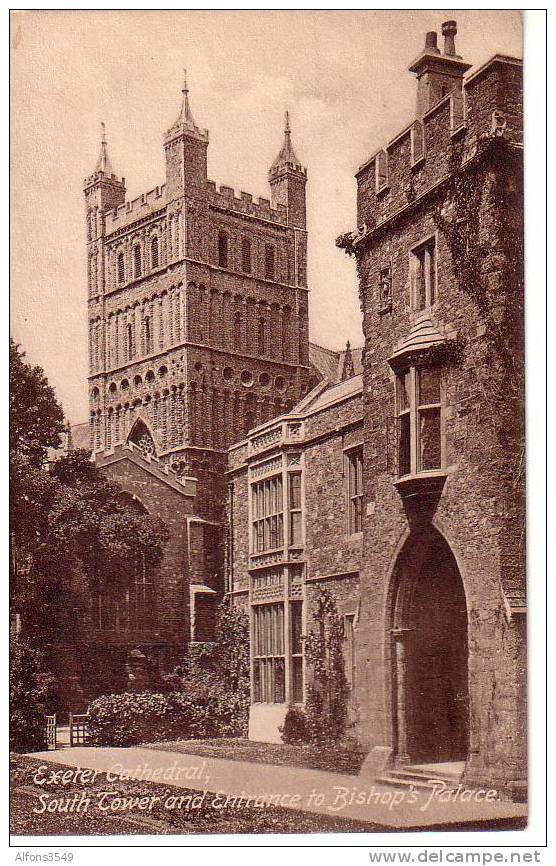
25	798
344	758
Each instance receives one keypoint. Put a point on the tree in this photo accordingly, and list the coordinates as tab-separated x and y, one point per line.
326	704
72	530
36	417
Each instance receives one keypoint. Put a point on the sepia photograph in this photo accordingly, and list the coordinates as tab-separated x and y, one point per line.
267	423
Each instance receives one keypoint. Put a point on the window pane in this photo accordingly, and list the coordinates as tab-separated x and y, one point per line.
404	445
429	439
295	527
295	491
403	391
429	385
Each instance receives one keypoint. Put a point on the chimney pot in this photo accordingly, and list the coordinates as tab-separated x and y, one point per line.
431	42
449	30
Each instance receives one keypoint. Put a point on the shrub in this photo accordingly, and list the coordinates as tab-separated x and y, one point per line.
130	718
31	697
296	726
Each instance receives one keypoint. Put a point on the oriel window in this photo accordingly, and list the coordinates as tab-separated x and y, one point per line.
269	681
419	420
294	505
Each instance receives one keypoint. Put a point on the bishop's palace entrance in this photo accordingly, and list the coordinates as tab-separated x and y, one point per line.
429	654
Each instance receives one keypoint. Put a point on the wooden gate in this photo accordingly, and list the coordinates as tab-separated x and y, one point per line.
50	732
79	733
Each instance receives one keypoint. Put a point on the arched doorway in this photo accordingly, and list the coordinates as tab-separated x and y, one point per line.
430	653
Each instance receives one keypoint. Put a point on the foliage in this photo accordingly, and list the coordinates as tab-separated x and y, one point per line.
130	718
296	726
218	671
36	418
71	529
224	661
326	705
31	696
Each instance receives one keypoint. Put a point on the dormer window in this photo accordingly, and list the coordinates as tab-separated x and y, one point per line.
246	256
222	250
121	268
381	169
422	265
137	269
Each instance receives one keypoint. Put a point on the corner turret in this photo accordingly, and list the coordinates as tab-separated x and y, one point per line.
287	179
185	145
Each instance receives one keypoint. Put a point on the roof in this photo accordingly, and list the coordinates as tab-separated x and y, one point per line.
330	363
321	398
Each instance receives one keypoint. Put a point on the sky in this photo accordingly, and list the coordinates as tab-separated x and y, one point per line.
342	76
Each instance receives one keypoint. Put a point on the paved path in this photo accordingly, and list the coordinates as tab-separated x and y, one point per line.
292	787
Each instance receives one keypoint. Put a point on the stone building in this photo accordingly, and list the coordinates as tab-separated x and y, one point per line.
441	641
402	490
198	331
295	510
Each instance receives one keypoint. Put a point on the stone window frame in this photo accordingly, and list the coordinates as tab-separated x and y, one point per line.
350	660
267	522
385	303
354	489
411	408
382	179
120	266
430	286
269	653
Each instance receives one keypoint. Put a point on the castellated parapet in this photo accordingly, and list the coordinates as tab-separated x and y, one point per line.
488	105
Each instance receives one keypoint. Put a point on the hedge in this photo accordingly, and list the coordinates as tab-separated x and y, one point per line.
130	718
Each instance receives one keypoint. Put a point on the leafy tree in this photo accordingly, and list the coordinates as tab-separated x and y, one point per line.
36	417
72	531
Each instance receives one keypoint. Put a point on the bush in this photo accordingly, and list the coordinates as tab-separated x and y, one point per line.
130	718
31	697
296	726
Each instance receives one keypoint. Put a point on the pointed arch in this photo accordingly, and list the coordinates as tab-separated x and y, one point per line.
142	436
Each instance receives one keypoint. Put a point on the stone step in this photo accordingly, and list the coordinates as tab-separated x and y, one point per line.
418	778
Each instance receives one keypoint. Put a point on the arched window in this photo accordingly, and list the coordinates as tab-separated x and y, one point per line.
261	337
269	262
148	336
246	255
129	341
222	250
237	330
137	261
121	268
154	252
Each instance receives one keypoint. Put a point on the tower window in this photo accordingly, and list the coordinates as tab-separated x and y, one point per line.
137	262
246	256
269	262
154	253
423	275
261	337
222	250
121	268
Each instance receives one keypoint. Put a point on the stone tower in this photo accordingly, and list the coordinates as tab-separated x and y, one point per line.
198	332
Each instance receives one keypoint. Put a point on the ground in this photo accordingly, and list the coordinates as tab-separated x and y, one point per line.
25	794
345	757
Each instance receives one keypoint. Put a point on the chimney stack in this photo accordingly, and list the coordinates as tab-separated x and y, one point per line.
438	74
431	42
449	30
